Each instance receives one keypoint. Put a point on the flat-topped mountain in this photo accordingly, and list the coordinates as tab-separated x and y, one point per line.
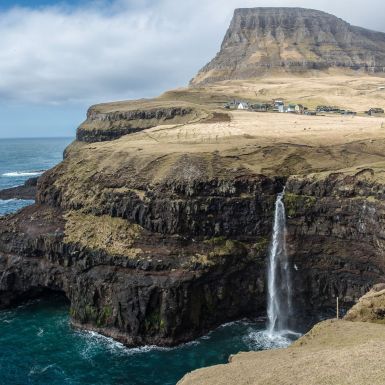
261	40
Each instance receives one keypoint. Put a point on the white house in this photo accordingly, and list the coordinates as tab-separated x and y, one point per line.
291	108
242	106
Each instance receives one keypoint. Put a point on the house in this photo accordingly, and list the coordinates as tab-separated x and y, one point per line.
260	107
375	111
278	105
291	108
278	102
232	104
243	106
330	109
348	112
299	108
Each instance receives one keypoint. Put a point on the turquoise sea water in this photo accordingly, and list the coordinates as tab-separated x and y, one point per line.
38	346
21	159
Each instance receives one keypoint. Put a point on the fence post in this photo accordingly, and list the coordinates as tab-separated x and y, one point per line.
338	309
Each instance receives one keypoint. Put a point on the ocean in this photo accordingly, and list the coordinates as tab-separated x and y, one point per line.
21	159
38	345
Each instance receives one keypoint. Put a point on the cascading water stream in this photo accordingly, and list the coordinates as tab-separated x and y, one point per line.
279	301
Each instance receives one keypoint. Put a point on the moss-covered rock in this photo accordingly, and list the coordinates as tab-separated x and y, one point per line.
298	203
112	235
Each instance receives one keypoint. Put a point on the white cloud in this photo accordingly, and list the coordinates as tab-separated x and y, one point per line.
124	49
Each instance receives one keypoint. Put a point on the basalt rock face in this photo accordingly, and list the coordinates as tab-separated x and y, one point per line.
156	289
145	279
293	40
336	237
103	126
233	208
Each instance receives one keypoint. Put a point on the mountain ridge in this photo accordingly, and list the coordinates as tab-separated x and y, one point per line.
295	40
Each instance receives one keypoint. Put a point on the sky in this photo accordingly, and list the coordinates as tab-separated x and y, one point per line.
59	57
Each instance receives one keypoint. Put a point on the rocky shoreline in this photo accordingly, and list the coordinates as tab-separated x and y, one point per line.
26	191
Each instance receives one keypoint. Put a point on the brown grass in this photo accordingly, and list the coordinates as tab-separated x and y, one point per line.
370	308
237	143
333	353
103	233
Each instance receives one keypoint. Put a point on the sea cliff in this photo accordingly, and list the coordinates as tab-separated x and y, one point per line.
156	225
161	235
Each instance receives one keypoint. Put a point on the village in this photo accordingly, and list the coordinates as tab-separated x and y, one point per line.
279	106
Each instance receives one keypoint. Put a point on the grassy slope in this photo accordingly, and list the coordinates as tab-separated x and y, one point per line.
343	353
348	90
243	144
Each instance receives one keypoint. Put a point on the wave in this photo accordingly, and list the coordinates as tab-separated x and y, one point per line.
94	341
4	202
39	369
7	201
23	173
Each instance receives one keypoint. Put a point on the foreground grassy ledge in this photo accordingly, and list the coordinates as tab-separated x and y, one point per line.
333	352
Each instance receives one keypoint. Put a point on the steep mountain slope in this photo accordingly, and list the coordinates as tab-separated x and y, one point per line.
294	40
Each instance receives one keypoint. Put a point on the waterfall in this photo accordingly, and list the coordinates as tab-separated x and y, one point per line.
279	306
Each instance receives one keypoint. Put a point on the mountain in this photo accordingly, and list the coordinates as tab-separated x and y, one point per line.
261	40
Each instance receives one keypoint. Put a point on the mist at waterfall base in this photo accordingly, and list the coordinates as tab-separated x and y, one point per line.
38	345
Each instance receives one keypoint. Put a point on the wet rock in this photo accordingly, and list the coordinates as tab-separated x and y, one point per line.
26	191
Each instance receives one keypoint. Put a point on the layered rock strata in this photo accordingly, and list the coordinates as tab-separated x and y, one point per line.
262	40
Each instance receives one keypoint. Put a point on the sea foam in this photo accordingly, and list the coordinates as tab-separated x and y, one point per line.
23	173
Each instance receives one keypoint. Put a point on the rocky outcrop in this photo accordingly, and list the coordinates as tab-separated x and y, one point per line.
26	191
110	125
370	307
261	40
